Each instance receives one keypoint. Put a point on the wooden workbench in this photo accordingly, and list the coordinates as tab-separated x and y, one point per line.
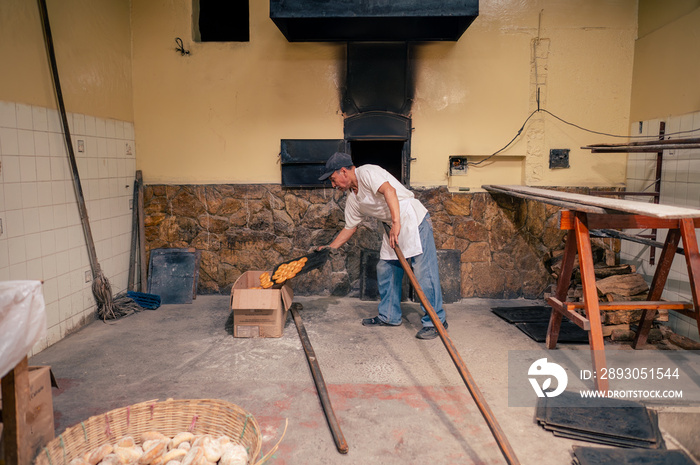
581	213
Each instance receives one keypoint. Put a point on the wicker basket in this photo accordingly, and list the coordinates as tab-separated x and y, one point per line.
199	416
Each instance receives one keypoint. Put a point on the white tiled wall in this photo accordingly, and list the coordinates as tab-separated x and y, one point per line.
42	236
680	186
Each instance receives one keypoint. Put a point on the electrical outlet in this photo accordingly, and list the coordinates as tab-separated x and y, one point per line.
88	276
558	158
458	165
81	145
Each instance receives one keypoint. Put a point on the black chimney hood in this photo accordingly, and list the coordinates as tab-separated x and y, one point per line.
373	20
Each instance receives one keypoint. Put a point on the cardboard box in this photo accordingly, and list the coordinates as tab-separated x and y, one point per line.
259	312
39	414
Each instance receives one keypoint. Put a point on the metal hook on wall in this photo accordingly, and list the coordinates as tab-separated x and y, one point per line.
180	47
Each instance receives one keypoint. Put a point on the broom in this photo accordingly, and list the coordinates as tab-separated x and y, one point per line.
107	307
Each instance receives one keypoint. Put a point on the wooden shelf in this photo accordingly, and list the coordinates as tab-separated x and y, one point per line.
646	146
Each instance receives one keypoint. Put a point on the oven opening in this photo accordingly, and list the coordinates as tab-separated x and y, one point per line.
389	154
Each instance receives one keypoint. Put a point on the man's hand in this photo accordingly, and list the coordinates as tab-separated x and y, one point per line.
394	233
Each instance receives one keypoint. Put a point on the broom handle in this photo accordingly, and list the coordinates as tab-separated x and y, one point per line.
134	238
143	264
82	210
478	397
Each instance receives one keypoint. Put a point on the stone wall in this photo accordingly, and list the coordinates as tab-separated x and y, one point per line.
253	227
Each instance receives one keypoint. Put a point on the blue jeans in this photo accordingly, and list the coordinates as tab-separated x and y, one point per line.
425	267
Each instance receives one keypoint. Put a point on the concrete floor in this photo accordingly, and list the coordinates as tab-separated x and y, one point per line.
398	399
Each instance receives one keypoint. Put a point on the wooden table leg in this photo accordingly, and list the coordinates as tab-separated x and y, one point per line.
590	296
567	268
15	402
657	286
692	258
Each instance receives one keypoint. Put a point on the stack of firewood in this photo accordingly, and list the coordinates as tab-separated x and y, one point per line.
614	282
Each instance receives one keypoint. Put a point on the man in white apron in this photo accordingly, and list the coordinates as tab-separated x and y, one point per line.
373	192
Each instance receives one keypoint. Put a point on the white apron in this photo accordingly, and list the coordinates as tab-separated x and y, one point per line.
409	238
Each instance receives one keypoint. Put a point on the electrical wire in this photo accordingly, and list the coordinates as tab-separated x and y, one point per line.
469	163
614	135
507	145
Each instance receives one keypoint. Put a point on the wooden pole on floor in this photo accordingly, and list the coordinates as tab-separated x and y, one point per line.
478	397
338	437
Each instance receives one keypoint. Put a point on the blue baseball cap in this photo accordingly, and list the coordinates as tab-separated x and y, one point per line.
335	162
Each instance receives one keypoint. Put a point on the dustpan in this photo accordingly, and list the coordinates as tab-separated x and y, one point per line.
144	300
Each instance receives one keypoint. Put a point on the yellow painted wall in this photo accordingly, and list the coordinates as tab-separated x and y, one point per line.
473	96
666	60
92	41
655	14
218	114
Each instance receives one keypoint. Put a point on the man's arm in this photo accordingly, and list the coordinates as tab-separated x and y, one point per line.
343	236
392	201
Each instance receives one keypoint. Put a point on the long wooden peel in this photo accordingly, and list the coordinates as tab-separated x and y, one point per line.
478	397
315	260
338	437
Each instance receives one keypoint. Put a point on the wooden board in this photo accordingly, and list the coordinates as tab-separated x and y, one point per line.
585	202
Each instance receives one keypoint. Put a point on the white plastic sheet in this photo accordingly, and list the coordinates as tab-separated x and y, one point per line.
22	321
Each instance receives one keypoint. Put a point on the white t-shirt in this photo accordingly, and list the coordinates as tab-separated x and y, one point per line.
368	202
